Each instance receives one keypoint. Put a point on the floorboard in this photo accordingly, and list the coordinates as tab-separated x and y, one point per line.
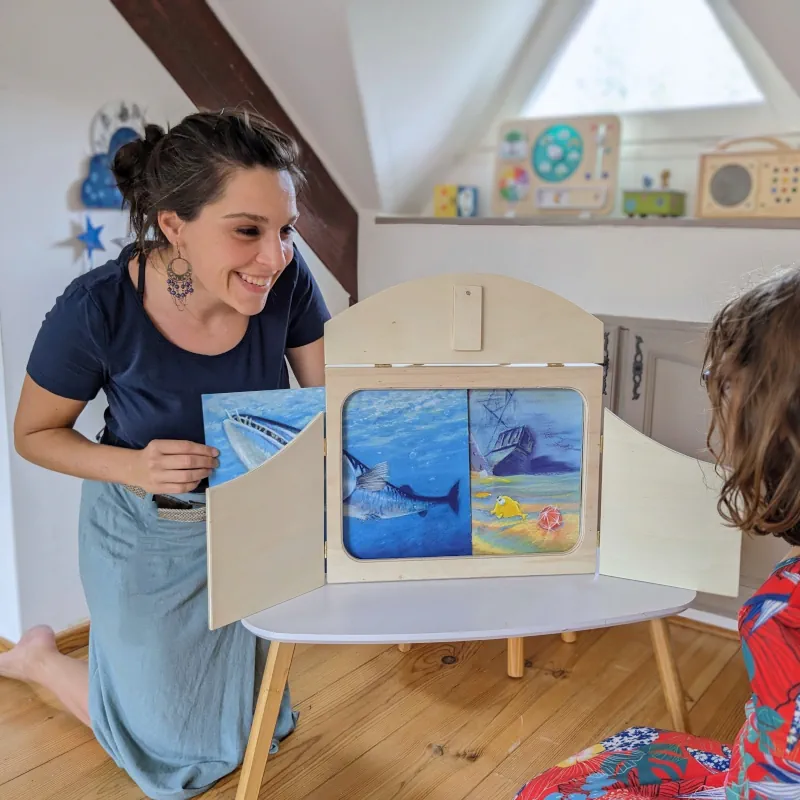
442	722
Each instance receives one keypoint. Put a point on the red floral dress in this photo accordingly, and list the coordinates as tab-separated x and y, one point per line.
763	763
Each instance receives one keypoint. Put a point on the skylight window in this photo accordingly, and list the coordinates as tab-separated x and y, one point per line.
645	56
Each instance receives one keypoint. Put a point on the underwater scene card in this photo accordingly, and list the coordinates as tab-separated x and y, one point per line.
451	472
526	467
250	427
431	473
405	474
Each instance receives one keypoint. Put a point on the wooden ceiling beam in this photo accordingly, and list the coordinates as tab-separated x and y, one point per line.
196	49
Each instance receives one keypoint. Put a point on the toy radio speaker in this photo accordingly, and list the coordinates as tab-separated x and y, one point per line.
749	183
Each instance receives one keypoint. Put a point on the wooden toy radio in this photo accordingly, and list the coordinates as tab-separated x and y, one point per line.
749	183
558	166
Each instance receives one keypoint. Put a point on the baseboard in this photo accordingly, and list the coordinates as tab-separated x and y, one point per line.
68	641
73	638
706	622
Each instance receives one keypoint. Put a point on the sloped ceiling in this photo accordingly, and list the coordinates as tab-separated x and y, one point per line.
429	71
388	92
391	92
776	25
301	49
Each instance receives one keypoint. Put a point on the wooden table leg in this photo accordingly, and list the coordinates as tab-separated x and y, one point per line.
570	637
270	695
404	648
516	657
670	678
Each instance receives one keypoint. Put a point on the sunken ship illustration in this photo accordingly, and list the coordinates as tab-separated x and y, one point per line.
512	444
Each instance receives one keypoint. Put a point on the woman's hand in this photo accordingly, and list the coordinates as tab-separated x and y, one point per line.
44	435
168	466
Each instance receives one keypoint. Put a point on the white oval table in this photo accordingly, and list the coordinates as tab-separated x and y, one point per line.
477	609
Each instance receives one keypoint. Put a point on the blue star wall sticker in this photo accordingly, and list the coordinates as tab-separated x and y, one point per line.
91	239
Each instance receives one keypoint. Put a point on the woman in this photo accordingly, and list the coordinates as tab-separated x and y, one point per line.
212	297
753	364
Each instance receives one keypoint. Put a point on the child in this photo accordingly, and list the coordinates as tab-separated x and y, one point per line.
752	375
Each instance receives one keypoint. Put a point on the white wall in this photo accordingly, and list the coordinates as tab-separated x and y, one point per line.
54	78
665	273
9	591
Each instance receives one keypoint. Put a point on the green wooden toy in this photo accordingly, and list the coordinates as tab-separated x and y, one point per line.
647	202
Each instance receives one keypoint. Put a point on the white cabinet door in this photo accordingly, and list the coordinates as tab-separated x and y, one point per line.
659	391
612	336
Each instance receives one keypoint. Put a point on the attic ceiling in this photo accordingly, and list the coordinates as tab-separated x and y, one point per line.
390	93
387	92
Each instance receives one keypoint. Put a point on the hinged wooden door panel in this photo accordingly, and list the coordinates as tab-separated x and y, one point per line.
659	521
266	530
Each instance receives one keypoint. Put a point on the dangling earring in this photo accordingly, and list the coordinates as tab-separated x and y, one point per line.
179	284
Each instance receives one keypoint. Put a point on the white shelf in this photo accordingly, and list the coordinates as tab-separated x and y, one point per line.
622	222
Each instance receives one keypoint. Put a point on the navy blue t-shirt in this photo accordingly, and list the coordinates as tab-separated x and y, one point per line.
99	336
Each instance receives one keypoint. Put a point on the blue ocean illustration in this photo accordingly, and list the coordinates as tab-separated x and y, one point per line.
405	484
250	427
526	458
429	473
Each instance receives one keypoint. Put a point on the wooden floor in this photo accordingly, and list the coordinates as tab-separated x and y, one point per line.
442	722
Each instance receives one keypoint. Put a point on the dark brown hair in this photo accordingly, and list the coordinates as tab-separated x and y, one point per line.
186	167
752	374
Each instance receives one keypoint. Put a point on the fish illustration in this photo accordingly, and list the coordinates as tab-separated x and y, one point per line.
366	491
506	507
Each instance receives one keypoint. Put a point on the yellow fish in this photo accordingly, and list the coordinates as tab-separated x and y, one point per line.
506	507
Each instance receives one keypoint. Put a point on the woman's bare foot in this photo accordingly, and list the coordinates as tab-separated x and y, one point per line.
36	659
24	661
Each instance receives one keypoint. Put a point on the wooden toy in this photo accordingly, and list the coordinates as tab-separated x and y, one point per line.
280	530
548	167
663	202
749	183
451	200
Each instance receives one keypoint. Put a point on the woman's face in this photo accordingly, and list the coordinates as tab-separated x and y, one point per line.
240	244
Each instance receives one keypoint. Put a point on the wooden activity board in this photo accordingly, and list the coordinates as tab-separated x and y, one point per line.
462	435
556	167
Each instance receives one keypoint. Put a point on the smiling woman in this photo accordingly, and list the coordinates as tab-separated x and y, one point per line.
212	297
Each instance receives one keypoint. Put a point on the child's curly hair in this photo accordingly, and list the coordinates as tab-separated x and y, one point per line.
752	374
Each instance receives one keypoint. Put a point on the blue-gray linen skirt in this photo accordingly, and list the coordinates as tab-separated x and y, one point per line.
170	700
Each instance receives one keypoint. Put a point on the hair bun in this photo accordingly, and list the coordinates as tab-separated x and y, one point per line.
130	163
153	134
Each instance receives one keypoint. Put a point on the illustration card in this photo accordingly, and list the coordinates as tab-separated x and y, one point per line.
526	458
250	427
438	473
429	473
405	474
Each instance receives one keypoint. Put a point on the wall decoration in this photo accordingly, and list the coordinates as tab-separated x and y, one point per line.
451	200
248	428
556	166
649	202
91	241
749	183
115	124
